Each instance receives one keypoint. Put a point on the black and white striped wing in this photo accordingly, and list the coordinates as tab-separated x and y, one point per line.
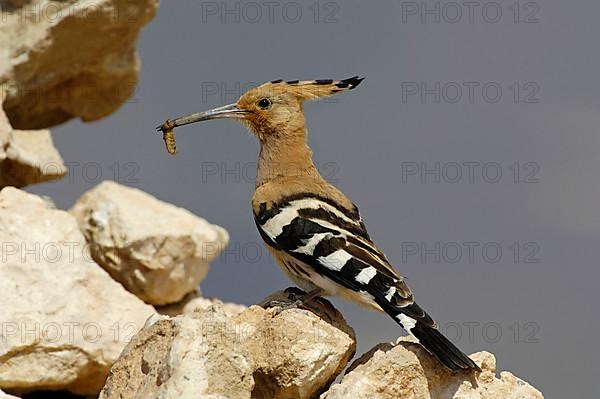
335	243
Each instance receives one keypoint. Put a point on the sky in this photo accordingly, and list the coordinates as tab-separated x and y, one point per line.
471	149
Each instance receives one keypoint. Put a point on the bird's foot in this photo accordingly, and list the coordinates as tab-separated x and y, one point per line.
296	298
280	306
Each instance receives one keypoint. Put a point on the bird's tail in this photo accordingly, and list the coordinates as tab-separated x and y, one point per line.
441	347
416	321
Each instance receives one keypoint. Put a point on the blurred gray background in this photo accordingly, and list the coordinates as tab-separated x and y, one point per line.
526	291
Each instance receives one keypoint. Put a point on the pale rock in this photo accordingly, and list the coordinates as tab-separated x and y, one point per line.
180	358
259	353
306	349
407	370
158	251
195	300
230	308
65	59
27	156
64	320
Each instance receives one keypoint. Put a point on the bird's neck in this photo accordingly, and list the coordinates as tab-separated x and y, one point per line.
285	156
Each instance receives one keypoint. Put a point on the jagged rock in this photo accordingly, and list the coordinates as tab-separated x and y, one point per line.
194	301
65	59
406	370
259	353
27	156
306	352
156	250
177	358
64	320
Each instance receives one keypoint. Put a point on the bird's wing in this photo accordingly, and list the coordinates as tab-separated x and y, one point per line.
335	243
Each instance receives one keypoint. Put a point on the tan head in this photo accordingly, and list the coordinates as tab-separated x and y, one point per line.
273	109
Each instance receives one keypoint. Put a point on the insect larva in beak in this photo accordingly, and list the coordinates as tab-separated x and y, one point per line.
169	136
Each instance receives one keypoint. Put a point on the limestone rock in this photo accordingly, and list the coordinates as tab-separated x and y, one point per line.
27	156
64	320
259	353
179	358
230	308
304	353
406	370
156	250
64	59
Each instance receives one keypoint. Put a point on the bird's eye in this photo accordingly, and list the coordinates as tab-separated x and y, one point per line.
264	103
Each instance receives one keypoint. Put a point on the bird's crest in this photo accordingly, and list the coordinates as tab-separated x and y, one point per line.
311	89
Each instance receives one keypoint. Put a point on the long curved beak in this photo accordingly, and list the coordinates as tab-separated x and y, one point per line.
226	111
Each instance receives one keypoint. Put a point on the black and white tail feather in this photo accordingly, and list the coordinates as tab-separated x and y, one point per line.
326	245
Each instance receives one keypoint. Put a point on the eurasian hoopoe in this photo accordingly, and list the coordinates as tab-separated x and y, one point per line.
313	230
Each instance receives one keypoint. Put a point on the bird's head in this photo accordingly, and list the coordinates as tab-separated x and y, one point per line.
273	108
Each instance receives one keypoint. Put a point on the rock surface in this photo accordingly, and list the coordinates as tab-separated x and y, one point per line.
259	353
406	370
159	259
195	300
27	156
64	320
65	59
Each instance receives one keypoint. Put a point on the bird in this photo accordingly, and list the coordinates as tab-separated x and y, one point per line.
315	232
